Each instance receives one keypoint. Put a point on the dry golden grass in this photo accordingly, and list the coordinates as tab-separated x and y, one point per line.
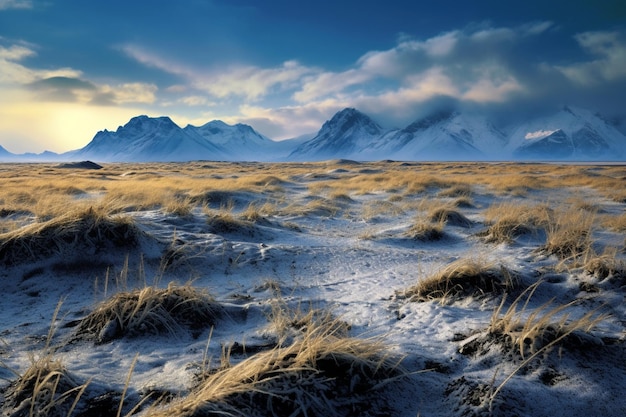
321	374
606	265
375	208
77	232
462	278
425	230
531	334
151	310
616	223
45	389
508	221
318	206
45	190
569	235
457	191
449	216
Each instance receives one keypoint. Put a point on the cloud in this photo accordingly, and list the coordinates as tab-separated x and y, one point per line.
288	121
16	4
247	81
66	84
13	72
144	93
609	48
250	82
196	101
452	63
61	88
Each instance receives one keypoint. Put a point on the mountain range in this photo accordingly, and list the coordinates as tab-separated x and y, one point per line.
571	134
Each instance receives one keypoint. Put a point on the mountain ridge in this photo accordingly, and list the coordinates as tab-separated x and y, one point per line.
570	134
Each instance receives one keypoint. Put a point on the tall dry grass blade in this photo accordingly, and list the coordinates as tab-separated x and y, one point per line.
127	384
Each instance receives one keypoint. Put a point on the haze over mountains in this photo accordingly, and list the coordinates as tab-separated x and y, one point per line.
571	134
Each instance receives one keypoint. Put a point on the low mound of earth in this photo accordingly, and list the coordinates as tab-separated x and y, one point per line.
80	165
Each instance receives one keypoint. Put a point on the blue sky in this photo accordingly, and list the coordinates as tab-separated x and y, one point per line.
69	68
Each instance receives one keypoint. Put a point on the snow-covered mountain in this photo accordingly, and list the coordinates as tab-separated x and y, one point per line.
346	135
239	141
572	133
442	135
145	138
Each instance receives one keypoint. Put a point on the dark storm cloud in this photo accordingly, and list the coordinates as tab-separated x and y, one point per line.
64	89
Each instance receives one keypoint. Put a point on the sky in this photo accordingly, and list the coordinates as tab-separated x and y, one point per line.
70	68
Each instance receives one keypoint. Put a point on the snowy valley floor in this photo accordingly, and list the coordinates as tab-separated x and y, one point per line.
313	289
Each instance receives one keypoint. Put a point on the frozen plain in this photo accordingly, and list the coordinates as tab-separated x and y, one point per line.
324	246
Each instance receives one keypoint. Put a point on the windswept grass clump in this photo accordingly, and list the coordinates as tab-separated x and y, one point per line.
606	266
151	310
462	278
321	374
45	389
508	221
425	230
569	236
80	231
449	216
529	333
225	221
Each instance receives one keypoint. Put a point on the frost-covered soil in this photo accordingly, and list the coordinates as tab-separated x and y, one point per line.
355	260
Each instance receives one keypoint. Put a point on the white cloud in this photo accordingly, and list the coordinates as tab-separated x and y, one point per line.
131	93
610	64
196	101
12	72
16	4
15	53
248	81
288	121
329	83
491	84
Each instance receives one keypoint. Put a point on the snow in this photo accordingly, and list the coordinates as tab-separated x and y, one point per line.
326	262
538	134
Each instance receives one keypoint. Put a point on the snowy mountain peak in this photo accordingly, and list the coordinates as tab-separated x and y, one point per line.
148	123
346	133
351	118
572	133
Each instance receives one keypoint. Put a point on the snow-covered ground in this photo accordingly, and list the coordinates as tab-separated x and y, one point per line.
352	255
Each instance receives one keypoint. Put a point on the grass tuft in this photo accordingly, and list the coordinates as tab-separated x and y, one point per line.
570	235
606	266
150	311
464	277
45	389
508	221
83	230
449	216
321	374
